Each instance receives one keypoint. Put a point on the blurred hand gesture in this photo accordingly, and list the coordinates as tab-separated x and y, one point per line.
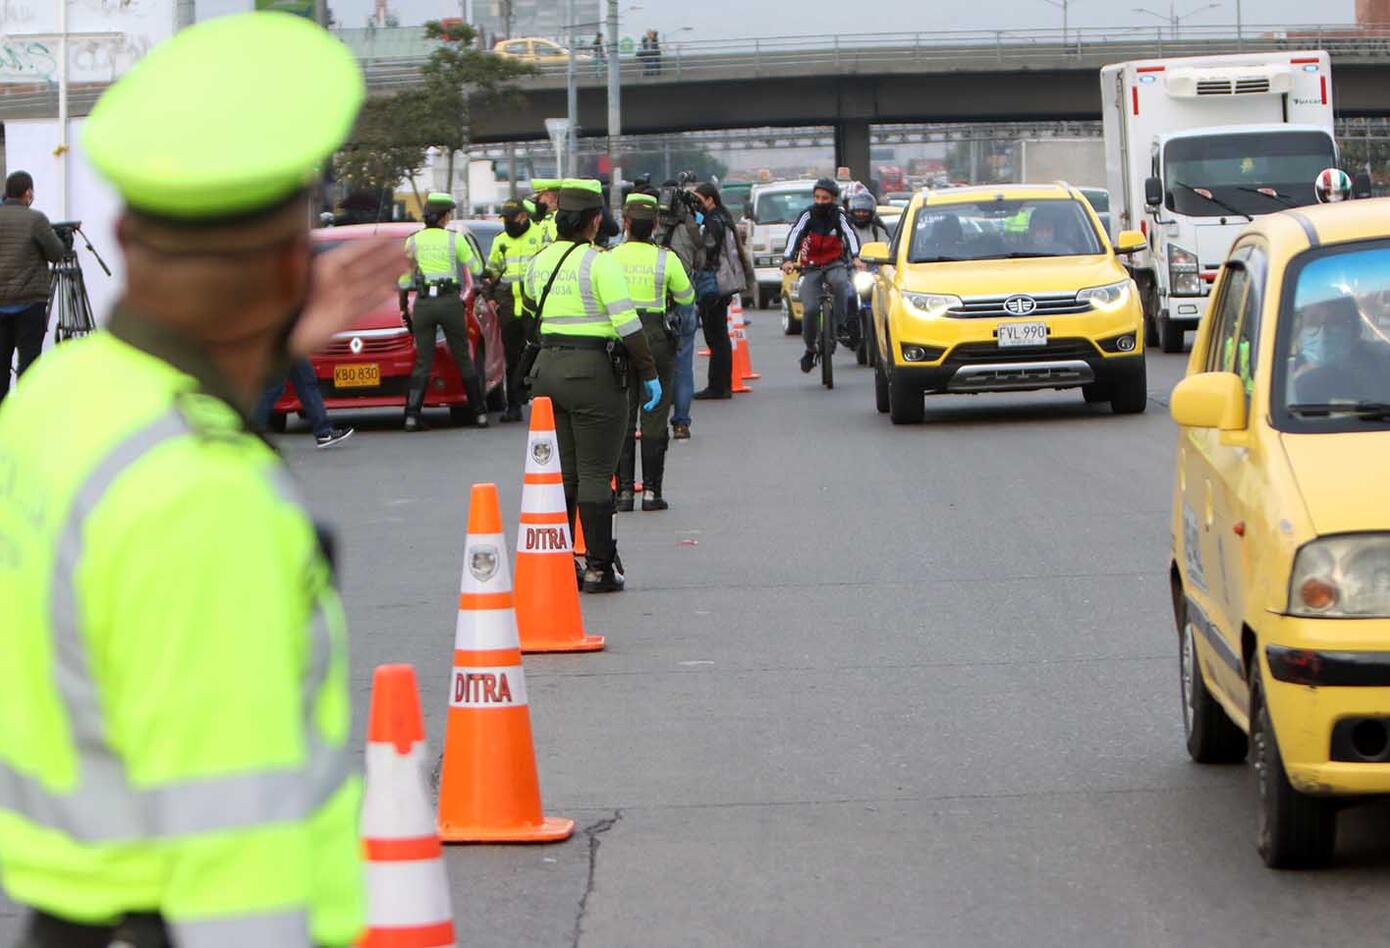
346	283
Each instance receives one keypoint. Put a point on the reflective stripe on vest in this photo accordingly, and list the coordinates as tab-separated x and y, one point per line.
104	807
659	295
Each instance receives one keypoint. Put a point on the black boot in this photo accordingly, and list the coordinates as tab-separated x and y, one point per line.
653	471
414	402
477	400
627	472
601	575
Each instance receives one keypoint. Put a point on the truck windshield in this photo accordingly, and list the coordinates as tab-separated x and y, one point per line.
1248	173
781	207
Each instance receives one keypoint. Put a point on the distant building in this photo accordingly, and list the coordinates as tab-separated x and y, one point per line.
502	18
1373	12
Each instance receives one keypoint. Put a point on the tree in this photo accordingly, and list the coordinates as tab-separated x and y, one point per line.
387	146
459	81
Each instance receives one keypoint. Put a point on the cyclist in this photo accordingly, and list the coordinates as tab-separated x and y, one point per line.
821	242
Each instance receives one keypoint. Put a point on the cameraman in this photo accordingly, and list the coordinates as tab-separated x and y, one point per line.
27	246
679	232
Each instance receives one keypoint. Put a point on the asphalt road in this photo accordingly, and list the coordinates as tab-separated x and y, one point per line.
868	686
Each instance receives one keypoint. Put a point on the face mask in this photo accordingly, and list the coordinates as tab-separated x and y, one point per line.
699	218
515	228
823	211
541	212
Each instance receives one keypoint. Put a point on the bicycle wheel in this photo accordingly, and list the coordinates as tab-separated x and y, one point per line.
827	343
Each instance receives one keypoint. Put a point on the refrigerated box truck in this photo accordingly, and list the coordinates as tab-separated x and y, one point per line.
1195	149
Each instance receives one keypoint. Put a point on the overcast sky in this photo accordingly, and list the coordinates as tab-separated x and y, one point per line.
718	19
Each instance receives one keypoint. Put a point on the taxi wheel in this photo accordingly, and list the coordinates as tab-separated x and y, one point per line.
790	324
1130	395
1095	393
905	406
881	400
1296	831
1212	737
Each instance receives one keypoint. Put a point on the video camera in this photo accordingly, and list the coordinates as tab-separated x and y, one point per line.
67	233
673	198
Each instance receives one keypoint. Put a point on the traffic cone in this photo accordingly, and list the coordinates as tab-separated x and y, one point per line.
547	597
488	789
736	311
407	887
738	368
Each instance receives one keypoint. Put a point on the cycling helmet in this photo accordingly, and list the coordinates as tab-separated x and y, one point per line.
1332	186
827	184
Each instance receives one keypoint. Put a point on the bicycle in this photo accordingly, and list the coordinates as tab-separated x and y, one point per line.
825	340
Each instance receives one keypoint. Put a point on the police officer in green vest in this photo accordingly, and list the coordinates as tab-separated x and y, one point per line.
440	256
657	282
545	198
590	338
512	251
174	689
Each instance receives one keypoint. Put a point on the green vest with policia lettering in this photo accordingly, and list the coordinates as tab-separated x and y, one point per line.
511	256
439	256
654	275
174	705
589	296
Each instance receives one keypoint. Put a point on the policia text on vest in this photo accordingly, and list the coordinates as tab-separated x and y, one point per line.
588	331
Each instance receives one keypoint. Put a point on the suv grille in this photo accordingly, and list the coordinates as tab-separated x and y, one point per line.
992	307
972	352
371	345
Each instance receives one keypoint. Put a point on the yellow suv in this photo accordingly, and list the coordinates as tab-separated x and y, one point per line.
1010	287
1281	521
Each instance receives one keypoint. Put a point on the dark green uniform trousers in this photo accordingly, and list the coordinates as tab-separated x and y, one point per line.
449	313
513	342
590	419
655	433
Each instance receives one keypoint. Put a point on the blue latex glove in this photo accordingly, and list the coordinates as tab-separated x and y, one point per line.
653	388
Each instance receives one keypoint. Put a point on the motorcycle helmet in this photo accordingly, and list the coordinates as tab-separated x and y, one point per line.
862	208
1332	186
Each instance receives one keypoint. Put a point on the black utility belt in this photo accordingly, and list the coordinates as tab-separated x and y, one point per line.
655	316
439	289
560	341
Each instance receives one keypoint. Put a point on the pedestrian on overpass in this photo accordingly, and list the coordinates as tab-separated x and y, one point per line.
661	292
512	252
176	715
440	258
590	335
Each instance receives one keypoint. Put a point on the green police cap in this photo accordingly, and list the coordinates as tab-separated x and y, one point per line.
640	207
226	118
439	201
580	194
513	208
529	206
538	185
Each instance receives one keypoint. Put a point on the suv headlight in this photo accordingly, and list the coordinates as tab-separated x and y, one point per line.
1342	577
932	304
1110	296
1183	278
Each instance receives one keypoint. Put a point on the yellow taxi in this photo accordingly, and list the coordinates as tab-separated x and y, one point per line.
1011	287
535	49
1281	521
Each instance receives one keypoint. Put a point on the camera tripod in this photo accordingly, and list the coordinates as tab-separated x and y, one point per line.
67	290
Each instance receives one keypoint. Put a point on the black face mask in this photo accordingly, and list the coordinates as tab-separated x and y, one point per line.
515	228
542	212
823	211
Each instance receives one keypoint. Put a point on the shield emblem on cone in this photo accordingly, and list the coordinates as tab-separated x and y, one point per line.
540	452
482	563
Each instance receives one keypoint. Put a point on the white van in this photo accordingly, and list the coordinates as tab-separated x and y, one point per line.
769	215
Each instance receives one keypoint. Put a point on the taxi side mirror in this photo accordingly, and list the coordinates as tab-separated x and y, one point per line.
1130	241
1210	400
876	252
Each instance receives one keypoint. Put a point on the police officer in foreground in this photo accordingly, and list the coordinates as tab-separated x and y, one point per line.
174	765
545	197
590	338
512	251
660	290
439	257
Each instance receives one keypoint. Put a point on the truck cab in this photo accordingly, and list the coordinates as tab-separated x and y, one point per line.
1196	149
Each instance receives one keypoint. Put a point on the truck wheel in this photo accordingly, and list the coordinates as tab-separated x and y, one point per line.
1296	831
1170	335
905	405
1212	737
1130	395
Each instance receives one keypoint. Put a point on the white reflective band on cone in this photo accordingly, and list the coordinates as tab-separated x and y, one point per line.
392	805
486	630
404	895
487	688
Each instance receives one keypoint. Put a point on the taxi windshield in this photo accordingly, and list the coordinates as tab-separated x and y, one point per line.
781	207
1000	230
1333	364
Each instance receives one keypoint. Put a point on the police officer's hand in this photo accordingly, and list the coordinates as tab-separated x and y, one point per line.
653	387
348	282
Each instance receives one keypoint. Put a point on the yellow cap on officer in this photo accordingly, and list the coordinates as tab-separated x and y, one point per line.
580	194
640	207
440	201
227	118
541	185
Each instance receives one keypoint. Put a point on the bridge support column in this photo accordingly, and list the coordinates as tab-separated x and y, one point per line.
852	147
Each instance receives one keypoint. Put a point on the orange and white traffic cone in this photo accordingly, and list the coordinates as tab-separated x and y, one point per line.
488	789
407	887
547	597
741	326
738	370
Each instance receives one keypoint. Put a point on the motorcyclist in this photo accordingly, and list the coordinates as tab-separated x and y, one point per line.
821	242
863	214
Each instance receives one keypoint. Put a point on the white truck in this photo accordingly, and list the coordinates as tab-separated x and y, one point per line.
1196	148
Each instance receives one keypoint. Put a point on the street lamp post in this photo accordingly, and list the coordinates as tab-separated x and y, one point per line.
1062	5
615	115
1175	19
572	99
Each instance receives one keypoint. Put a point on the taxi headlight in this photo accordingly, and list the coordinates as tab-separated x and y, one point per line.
1110	296
863	281
932	304
1343	577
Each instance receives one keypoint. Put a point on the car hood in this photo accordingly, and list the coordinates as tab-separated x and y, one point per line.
1004	277
1341	478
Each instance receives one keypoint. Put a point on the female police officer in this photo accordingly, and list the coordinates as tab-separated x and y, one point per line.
589	332
656	279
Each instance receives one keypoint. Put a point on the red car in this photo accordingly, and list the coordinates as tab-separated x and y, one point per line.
369	366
